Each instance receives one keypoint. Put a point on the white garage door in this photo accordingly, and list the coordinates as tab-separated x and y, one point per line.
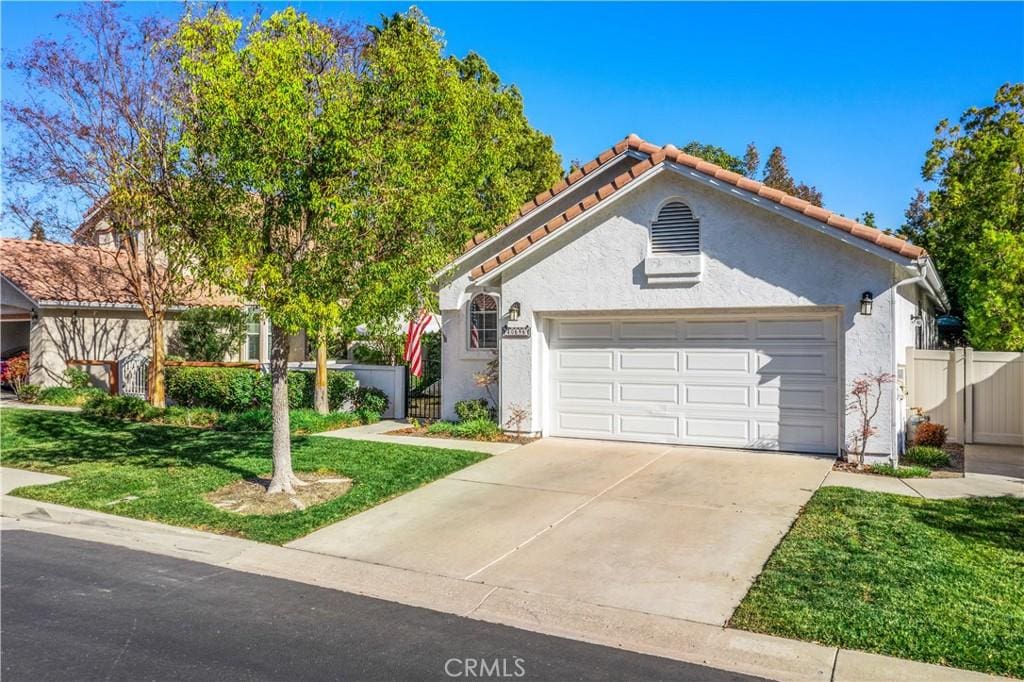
766	383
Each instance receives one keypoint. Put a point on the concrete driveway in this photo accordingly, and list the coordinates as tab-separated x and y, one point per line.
674	531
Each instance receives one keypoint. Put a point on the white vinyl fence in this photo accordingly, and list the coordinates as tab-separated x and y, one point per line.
978	396
388	378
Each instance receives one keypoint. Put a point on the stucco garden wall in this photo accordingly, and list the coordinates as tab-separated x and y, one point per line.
85	334
753	258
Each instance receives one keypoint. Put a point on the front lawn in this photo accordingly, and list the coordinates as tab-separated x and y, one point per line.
168	469
940	581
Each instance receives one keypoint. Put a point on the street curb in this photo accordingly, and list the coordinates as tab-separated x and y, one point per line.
739	651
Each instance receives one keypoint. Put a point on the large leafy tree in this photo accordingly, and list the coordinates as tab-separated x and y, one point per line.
343	174
975	226
93	128
716	155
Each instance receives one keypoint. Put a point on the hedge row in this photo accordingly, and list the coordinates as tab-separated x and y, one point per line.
234	389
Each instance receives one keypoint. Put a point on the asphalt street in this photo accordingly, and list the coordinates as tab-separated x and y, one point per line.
76	610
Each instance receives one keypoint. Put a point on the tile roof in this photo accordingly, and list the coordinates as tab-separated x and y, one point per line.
658	155
72	273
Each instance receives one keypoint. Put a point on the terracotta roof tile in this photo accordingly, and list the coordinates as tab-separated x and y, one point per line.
73	273
657	155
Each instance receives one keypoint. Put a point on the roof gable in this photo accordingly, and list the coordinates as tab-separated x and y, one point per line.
653	157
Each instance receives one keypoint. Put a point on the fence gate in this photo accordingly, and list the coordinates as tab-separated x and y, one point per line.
134	374
977	395
422	396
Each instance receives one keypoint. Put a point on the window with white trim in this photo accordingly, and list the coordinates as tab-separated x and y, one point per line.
676	231
483	322
252	335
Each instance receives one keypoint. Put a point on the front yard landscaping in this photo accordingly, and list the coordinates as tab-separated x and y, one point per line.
161	473
931	580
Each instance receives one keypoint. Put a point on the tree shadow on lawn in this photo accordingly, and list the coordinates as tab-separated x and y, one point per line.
996	521
58	440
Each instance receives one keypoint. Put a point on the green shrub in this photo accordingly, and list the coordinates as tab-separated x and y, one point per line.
926	455
469	410
476	429
236	389
116	407
29	393
371	399
930	433
68	397
209	333
366	415
900	472
77	378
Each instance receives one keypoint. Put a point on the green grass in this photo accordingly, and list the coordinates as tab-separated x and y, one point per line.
931	580
901	471
169	469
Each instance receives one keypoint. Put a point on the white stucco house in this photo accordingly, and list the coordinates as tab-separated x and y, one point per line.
652	296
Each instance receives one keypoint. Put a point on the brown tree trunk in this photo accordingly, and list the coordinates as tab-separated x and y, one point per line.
155	377
320	397
283	479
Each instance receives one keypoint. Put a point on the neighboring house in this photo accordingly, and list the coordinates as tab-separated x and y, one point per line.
652	296
65	302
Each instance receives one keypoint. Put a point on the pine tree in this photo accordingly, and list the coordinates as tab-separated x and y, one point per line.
776	175
37	232
751	160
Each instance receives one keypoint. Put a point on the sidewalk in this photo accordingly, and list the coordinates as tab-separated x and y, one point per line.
17	404
378	432
971	485
736	650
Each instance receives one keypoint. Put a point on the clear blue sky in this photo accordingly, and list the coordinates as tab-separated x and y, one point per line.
852	92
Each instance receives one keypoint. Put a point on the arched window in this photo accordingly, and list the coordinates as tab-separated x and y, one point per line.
676	231
483	322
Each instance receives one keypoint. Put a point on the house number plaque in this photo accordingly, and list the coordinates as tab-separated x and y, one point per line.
510	332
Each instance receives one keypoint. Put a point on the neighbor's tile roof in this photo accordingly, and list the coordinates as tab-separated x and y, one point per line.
656	156
72	273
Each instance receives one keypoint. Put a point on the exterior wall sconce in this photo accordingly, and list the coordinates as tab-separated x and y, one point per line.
916	320
513	312
866	301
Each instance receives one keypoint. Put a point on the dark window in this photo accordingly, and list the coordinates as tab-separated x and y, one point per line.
483	322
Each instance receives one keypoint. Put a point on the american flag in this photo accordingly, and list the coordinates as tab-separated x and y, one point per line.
413	349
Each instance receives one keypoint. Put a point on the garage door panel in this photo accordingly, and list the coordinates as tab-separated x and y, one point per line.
648	331
717	429
717	395
586	423
795	330
649	393
584	330
663	361
815	398
716	331
584	359
750	383
737	361
795	362
602	391
646	426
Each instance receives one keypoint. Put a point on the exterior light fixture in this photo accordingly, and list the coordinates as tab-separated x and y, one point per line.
513	312
866	299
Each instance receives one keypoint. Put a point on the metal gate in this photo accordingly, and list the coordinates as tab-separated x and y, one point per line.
422	397
134	376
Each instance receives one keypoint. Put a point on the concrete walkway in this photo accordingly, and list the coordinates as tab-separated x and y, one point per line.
11	403
19	478
736	650
378	432
991	471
